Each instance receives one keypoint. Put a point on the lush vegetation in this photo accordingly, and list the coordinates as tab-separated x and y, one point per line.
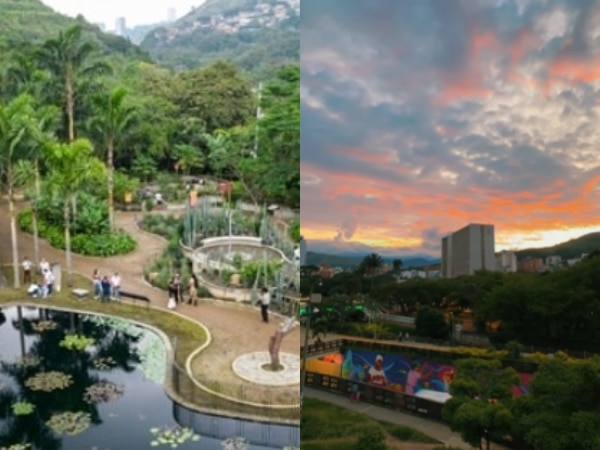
90	227
564	304
258	49
79	115
560	413
326	426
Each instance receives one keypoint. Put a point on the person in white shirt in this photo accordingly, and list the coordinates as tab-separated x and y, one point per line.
265	301
376	374
115	282
44	266
26	270
48	283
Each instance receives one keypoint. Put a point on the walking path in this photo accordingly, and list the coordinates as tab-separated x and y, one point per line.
436	430
236	329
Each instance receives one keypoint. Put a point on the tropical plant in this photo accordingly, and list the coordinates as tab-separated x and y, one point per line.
112	118
68	57
76	342
71	166
22	408
15	127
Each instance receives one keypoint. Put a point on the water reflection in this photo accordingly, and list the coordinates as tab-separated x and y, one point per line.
101	386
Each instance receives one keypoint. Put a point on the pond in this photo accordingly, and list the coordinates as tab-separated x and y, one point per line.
76	382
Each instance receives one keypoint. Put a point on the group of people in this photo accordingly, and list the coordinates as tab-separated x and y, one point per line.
176	293
43	285
106	288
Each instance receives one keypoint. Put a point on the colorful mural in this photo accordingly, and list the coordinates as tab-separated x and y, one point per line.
396	372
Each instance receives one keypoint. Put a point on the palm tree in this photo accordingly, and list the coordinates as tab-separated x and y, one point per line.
112	118
370	264
27	172
70	167
15	128
67	58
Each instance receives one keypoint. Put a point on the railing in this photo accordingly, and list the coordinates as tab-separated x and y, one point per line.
272	404
397	401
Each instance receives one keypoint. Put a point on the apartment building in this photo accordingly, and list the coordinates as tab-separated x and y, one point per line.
506	261
467	250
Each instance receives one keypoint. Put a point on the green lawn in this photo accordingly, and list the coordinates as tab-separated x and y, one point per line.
330	427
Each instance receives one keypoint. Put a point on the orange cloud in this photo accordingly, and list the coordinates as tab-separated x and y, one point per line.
363	155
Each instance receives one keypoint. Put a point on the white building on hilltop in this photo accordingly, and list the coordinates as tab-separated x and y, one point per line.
506	261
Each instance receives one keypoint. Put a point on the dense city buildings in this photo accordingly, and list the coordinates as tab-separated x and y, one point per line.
467	250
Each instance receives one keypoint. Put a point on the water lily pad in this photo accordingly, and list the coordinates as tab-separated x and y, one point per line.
49	381
70	423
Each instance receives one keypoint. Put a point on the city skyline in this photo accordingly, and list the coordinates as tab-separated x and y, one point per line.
109	11
421	117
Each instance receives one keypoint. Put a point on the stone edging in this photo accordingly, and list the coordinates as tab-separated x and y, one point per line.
188	368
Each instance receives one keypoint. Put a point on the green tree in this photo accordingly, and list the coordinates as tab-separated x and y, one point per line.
431	323
397	265
480	407
68	57
71	166
15	127
188	157
112	118
218	96
563	410
370	265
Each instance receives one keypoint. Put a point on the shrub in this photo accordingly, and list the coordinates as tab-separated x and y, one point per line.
294	231
90	244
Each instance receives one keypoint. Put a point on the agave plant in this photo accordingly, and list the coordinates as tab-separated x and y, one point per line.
22	408
49	381
172	436
76	342
102	392
70	423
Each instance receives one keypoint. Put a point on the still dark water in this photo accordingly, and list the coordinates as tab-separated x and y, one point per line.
115	389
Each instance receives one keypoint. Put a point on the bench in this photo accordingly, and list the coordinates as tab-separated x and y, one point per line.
133	296
80	294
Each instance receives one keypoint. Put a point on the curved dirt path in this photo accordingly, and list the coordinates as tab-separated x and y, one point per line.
235	329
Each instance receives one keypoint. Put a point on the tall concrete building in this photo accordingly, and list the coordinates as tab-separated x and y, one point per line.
120	26
171	15
303	248
467	250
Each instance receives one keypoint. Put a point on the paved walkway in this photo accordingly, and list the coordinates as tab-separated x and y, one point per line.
236	329
436	430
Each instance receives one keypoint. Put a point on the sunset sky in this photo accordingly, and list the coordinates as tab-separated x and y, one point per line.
419	117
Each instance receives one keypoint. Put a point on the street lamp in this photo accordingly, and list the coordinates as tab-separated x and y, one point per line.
314	299
451	329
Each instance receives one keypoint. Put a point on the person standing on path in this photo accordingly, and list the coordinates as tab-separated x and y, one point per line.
26	270
105	284
115	282
96	284
265	301
192	291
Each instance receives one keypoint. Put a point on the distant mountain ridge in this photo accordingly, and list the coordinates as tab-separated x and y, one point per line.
258	35
349	260
573	248
26	22
566	250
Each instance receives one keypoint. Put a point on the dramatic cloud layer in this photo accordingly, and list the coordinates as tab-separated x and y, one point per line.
419	117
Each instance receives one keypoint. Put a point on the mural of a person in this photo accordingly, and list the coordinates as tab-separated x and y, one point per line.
376	374
447	378
414	377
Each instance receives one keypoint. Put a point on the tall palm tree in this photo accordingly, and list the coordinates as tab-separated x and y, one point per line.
112	118
68	57
15	128
71	166
371	264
